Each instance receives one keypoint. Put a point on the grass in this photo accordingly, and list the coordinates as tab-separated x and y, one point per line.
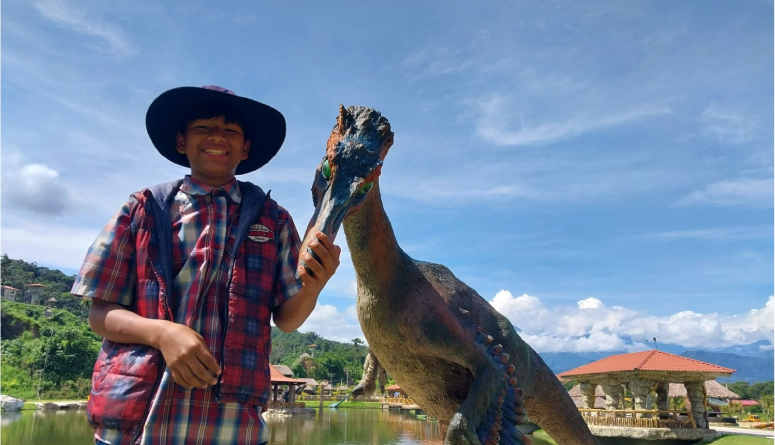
733	439
345	405
729	439
541	434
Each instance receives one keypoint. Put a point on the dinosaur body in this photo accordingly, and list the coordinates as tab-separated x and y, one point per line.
449	349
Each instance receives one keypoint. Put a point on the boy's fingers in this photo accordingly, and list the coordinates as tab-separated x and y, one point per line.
324	240
201	373
190	377
209	361
180	379
313	265
321	252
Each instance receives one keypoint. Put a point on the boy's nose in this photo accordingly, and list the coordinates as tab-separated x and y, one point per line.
217	133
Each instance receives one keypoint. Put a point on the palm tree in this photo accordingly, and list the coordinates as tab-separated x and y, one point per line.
356	342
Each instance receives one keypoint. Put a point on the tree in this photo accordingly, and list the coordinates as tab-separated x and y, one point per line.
356	342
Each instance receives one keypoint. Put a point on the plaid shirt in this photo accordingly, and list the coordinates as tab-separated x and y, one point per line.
204	222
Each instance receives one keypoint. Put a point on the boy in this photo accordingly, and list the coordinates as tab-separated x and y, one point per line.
185	278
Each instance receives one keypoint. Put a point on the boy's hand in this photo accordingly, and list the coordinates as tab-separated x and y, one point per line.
322	270
187	356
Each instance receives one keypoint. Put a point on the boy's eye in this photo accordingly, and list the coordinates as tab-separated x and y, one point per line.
325	170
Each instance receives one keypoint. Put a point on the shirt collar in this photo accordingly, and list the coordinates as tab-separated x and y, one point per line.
195	187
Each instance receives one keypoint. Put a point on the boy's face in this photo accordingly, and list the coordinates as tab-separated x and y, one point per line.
214	149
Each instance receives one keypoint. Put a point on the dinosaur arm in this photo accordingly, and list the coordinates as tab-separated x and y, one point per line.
367	383
492	406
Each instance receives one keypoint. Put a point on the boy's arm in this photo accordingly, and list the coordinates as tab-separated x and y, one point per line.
292	313
184	350
108	278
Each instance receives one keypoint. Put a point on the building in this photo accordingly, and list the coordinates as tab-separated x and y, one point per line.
279	380
34	293
284	370
643	372
10	293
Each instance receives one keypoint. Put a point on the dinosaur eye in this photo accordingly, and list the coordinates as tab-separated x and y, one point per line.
326	170
366	187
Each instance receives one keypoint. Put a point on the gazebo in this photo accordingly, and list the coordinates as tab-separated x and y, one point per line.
395	389
644	372
278	379
713	389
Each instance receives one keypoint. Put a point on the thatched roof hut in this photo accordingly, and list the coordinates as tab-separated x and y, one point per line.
714	389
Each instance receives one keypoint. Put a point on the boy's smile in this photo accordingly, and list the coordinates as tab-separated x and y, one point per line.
214	148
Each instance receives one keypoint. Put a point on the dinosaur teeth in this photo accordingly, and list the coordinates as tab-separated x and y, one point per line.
487	339
464	312
505	358
497	349
510	369
513	381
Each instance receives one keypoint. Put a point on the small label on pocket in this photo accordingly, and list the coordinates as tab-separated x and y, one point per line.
260	233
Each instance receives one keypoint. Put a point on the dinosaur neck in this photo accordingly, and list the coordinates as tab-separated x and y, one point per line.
376	255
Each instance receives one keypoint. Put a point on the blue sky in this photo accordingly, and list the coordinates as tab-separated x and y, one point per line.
601	172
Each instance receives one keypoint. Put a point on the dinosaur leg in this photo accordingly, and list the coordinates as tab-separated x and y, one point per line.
382	379
368	382
493	407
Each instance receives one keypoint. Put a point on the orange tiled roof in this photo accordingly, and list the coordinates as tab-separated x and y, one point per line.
646	361
277	377
35	285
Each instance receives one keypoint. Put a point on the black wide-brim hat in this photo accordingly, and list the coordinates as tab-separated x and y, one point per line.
264	125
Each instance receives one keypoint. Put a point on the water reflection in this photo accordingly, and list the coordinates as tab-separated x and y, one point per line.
329	427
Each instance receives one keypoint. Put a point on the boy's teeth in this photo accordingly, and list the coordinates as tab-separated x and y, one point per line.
215	152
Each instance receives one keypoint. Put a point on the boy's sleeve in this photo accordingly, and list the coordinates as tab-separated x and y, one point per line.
289	244
108	271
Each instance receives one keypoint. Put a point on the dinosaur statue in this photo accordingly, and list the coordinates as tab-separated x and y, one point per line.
450	350
372	372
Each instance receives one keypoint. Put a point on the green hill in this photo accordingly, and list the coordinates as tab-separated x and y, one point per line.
58	353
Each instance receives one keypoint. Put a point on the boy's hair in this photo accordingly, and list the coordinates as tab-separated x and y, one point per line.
209	110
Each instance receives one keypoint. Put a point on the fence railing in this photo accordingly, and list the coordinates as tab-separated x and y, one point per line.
285	405
396	401
639	418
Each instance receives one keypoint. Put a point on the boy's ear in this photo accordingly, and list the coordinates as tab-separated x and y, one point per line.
180	143
245	150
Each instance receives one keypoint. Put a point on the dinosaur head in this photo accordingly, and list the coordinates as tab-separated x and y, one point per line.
347	174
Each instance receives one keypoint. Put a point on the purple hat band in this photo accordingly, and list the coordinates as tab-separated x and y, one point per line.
219	89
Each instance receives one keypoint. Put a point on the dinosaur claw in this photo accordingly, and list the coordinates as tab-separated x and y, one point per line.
461	432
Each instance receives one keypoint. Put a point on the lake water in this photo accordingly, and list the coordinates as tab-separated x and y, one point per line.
330	427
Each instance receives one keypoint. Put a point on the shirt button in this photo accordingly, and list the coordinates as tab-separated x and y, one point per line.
220	215
181	395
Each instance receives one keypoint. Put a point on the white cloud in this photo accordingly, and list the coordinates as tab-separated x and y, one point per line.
726	233
498	125
591	326
67	16
743	192
329	322
590	303
37	188
727	126
50	244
